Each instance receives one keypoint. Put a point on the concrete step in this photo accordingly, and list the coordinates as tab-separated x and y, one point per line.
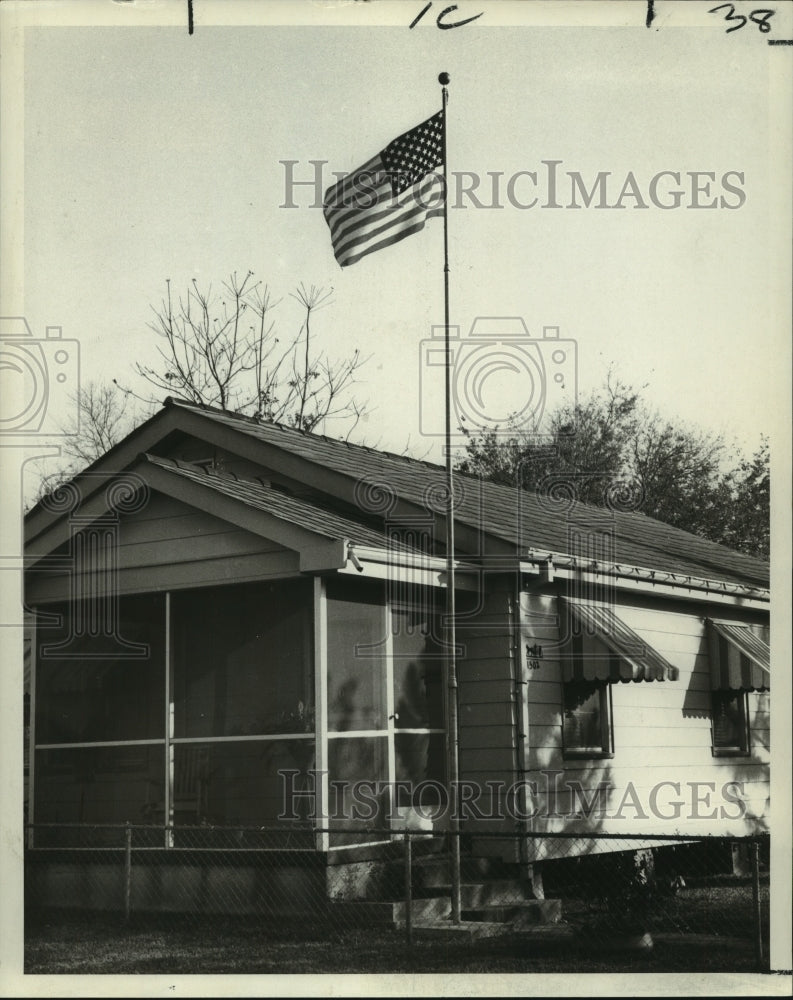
494	892
431	875
526	914
437	909
390	912
465	931
541	936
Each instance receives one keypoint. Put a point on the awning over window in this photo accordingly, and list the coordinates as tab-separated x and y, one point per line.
739	658
604	648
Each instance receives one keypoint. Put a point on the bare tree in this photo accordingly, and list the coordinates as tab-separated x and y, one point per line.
223	350
102	416
218	350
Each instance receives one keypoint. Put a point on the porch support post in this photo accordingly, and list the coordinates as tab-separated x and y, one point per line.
31	790
321	714
169	726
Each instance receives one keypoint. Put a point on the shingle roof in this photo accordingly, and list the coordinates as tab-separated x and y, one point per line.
518	517
263	497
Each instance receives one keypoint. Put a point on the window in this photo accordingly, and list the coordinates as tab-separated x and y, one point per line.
730	723
586	719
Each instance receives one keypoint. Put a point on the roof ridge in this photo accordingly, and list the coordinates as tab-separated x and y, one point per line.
370	449
655	533
262	422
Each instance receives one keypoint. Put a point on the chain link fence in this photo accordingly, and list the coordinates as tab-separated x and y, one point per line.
598	893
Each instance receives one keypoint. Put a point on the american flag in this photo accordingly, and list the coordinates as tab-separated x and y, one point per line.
390	196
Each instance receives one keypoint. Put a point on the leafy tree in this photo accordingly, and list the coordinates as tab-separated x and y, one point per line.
612	443
749	528
582	447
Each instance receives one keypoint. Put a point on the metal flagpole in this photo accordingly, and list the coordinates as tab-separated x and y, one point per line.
451	631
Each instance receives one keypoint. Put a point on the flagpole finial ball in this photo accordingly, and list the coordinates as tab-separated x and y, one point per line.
443	79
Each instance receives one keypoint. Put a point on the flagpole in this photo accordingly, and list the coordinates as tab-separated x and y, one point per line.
451	630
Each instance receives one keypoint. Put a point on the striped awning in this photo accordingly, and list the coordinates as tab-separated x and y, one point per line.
740	660
604	648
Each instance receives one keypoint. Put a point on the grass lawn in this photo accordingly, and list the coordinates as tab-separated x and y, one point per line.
81	944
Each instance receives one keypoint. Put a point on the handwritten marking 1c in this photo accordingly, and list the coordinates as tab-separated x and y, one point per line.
439	20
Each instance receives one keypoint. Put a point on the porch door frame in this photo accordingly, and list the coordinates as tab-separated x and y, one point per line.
324	735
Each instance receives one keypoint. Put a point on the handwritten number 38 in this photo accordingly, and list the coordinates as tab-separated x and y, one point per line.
760	17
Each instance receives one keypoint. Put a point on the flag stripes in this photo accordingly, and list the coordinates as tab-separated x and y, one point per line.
390	197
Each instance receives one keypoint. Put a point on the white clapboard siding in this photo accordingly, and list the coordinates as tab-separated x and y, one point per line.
169	545
478	690
484	737
489	714
662	730
487	717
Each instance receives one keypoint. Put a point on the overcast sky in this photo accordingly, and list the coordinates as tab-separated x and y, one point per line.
152	154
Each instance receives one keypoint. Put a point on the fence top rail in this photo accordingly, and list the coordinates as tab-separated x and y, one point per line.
396	832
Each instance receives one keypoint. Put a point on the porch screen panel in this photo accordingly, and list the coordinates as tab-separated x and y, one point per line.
418	666
100	692
356	657
420	760
246	783
243	660
358	796
98	785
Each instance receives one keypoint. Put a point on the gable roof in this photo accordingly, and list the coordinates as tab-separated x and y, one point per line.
345	486
261	496
518	517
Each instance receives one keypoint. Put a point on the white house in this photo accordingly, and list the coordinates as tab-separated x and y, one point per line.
240	625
